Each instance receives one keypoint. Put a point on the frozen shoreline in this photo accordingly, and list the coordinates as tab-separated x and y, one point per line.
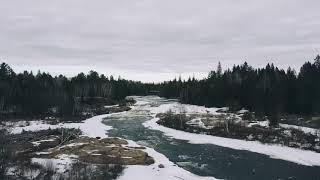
91	127
303	157
169	172
94	127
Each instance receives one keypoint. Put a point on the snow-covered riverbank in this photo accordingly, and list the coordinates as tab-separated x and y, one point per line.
93	127
145	111
154	172
302	157
298	156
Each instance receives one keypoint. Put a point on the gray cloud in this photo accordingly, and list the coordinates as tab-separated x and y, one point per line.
153	40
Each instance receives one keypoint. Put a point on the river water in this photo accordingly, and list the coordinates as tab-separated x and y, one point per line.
203	159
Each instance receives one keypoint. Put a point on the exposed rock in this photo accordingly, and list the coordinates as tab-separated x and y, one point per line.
161	166
250	137
101	151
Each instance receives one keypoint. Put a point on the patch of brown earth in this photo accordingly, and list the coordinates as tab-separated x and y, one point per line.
102	151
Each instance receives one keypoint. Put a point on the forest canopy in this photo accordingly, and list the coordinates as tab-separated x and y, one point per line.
266	91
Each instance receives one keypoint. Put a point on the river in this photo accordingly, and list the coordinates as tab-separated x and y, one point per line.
202	159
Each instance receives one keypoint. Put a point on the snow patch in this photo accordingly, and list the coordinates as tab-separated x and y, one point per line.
306	130
41	153
74	144
183	108
37	143
169	172
196	122
260	123
111	106
242	111
59	165
92	127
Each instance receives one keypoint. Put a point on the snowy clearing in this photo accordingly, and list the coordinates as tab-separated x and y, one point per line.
92	127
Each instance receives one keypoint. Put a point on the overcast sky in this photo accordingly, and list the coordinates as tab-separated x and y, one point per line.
154	40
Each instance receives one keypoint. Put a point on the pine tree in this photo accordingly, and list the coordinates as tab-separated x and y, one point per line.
219	69
317	61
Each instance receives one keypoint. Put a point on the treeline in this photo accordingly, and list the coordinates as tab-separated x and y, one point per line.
28	94
266	91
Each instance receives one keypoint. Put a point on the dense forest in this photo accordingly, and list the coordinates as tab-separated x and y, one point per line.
266	91
26	94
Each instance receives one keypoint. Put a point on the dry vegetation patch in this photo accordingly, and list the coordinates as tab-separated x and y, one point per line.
101	151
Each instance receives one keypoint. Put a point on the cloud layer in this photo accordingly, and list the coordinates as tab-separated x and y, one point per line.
154	40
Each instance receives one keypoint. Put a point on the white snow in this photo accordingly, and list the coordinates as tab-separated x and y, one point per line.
111	106
260	123
37	143
40	153
92	127
306	130
31	173
242	111
140	103
11	171
298	156
25	172
179	108
96	154
288	126
73	144
308	158
196	122
169	172
301	128
60	165
15	123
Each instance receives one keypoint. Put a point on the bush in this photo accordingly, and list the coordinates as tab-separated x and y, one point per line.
68	134
176	121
